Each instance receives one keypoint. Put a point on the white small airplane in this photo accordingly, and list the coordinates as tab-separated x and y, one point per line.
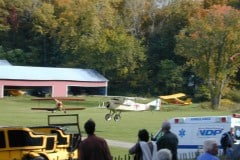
121	104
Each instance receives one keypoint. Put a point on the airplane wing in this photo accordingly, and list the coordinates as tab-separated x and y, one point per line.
77	108
172	96
174	99
54	109
46	109
129	108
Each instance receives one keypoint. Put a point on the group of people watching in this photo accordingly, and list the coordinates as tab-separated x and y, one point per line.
164	148
96	148
230	150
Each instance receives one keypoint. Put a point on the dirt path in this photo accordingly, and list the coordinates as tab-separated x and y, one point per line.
116	143
119	143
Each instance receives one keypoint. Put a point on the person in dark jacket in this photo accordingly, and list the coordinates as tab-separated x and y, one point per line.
168	140
227	142
93	147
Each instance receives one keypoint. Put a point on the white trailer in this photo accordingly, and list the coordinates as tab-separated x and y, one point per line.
193	131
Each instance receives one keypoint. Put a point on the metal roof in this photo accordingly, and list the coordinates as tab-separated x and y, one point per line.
8	72
4	62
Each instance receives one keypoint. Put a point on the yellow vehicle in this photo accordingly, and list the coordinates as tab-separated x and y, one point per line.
52	142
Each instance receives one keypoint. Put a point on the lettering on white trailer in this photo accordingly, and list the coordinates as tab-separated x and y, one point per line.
209	132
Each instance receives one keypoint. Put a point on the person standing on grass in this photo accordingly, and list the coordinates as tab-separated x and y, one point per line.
93	147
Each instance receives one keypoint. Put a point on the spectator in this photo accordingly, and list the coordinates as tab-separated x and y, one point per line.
93	147
143	149
168	140
164	154
236	152
210	150
227	142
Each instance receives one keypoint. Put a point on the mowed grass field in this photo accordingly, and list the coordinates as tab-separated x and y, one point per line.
16	111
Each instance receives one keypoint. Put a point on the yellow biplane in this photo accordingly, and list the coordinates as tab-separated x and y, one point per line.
175	99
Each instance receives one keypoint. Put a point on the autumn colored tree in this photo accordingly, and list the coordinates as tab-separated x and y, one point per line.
4	25
16	36
130	42
209	41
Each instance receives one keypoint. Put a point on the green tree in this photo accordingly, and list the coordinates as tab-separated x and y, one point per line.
17	56
208	42
95	37
45	27
161	42
170	76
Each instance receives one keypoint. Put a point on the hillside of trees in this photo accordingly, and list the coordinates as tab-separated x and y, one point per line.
143	49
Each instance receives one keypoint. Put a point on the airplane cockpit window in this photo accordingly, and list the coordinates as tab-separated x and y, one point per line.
117	100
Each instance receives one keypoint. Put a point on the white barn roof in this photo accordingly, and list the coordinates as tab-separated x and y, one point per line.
9	72
4	62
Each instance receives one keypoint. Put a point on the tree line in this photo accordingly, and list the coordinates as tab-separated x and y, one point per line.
144	47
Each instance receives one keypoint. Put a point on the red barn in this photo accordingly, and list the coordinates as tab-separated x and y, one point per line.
59	82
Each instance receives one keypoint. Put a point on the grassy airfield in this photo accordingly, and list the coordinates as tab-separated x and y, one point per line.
16	111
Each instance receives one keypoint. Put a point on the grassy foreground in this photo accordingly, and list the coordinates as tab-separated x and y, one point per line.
16	111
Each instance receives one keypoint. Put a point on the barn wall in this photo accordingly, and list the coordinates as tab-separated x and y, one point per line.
59	88
1	91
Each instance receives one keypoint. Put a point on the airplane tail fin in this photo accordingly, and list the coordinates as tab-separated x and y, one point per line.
155	105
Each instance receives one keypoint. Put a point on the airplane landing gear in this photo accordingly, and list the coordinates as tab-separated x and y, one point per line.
117	117
108	117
